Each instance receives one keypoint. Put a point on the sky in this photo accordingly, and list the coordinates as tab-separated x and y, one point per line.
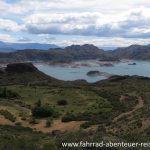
66	22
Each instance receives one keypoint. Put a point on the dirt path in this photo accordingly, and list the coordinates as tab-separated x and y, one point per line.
139	105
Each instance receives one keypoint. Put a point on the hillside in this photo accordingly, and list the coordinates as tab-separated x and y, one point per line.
137	52
116	109
23	73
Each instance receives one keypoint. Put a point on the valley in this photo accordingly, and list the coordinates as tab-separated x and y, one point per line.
53	111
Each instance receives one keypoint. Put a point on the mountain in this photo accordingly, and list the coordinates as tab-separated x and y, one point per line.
83	52
76	52
137	52
70	53
2	43
10	47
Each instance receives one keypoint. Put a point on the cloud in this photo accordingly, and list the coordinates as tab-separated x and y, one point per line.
41	19
26	6
7	38
112	42
125	24
24	39
10	26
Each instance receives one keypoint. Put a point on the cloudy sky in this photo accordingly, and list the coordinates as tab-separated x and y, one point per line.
65	22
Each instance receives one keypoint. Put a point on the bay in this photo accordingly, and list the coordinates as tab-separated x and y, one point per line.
70	73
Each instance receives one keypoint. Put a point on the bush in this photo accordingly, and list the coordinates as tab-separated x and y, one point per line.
85	125
68	117
49	122
33	121
42	111
38	103
8	115
62	102
23	118
18	123
5	93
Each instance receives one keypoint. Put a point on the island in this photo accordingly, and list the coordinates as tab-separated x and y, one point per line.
98	73
132	64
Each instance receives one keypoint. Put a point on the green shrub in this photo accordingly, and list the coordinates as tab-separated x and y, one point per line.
85	125
23	118
8	115
49	122
18	123
68	117
32	120
38	103
5	93
42	111
62	102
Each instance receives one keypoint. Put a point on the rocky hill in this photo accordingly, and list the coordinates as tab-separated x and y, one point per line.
23	73
137	52
20	68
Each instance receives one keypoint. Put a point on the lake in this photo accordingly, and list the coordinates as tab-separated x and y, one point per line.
70	73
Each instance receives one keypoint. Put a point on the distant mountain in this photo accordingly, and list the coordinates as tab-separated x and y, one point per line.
9	47
138	52
70	53
85	47
77	52
83	52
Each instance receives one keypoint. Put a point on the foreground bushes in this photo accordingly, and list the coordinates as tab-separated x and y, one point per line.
8	115
42	111
49	122
62	102
5	93
69	117
20	138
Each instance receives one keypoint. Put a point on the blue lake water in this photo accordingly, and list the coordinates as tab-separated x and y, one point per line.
69	73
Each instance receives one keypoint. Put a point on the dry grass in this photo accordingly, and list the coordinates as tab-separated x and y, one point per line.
41	126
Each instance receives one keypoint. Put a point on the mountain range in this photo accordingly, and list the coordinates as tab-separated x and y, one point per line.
76	52
10	47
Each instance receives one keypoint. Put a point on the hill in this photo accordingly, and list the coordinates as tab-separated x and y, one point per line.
137	52
23	73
